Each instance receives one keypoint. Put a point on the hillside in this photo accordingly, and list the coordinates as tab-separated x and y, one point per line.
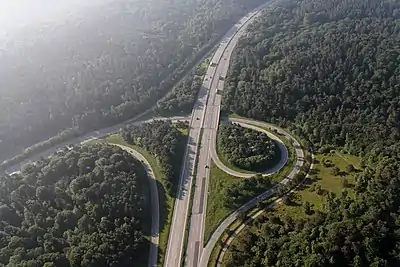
70	209
329	70
102	65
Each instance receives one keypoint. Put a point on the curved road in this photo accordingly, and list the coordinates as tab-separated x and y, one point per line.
276	168
205	256
155	209
83	139
204	120
210	115
254	216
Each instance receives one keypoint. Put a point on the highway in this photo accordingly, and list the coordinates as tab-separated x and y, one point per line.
201	145
214	82
155	209
204	119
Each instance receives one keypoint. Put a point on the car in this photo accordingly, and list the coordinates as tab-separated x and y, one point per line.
207	167
197	118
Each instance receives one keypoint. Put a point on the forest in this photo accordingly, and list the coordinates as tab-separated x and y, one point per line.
246	148
330	71
85	206
102	65
183	96
165	142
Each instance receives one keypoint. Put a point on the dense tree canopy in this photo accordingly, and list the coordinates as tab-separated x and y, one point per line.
246	148
330	66
182	97
350	232
81	207
164	141
102	65
329	69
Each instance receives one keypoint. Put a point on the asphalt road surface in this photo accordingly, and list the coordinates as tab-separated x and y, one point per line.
205	256
214	83
83	139
155	209
254	216
274	169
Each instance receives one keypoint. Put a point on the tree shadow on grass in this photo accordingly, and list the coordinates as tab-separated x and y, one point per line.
307	183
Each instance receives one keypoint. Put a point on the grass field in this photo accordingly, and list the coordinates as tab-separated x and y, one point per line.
216	210
322	176
220	181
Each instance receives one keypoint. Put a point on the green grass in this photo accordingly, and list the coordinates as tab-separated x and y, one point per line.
323	177
216	210
166	202
219	181
184	131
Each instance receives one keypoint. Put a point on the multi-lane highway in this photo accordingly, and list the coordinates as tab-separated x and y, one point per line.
177	231
205	120
201	147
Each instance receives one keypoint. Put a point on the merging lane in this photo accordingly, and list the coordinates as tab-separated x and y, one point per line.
205	256
177	231
214	81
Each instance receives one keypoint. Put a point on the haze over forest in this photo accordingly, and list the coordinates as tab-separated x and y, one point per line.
86	66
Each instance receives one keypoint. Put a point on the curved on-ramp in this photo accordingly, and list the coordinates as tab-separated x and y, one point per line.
155	209
205	256
274	169
254	216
